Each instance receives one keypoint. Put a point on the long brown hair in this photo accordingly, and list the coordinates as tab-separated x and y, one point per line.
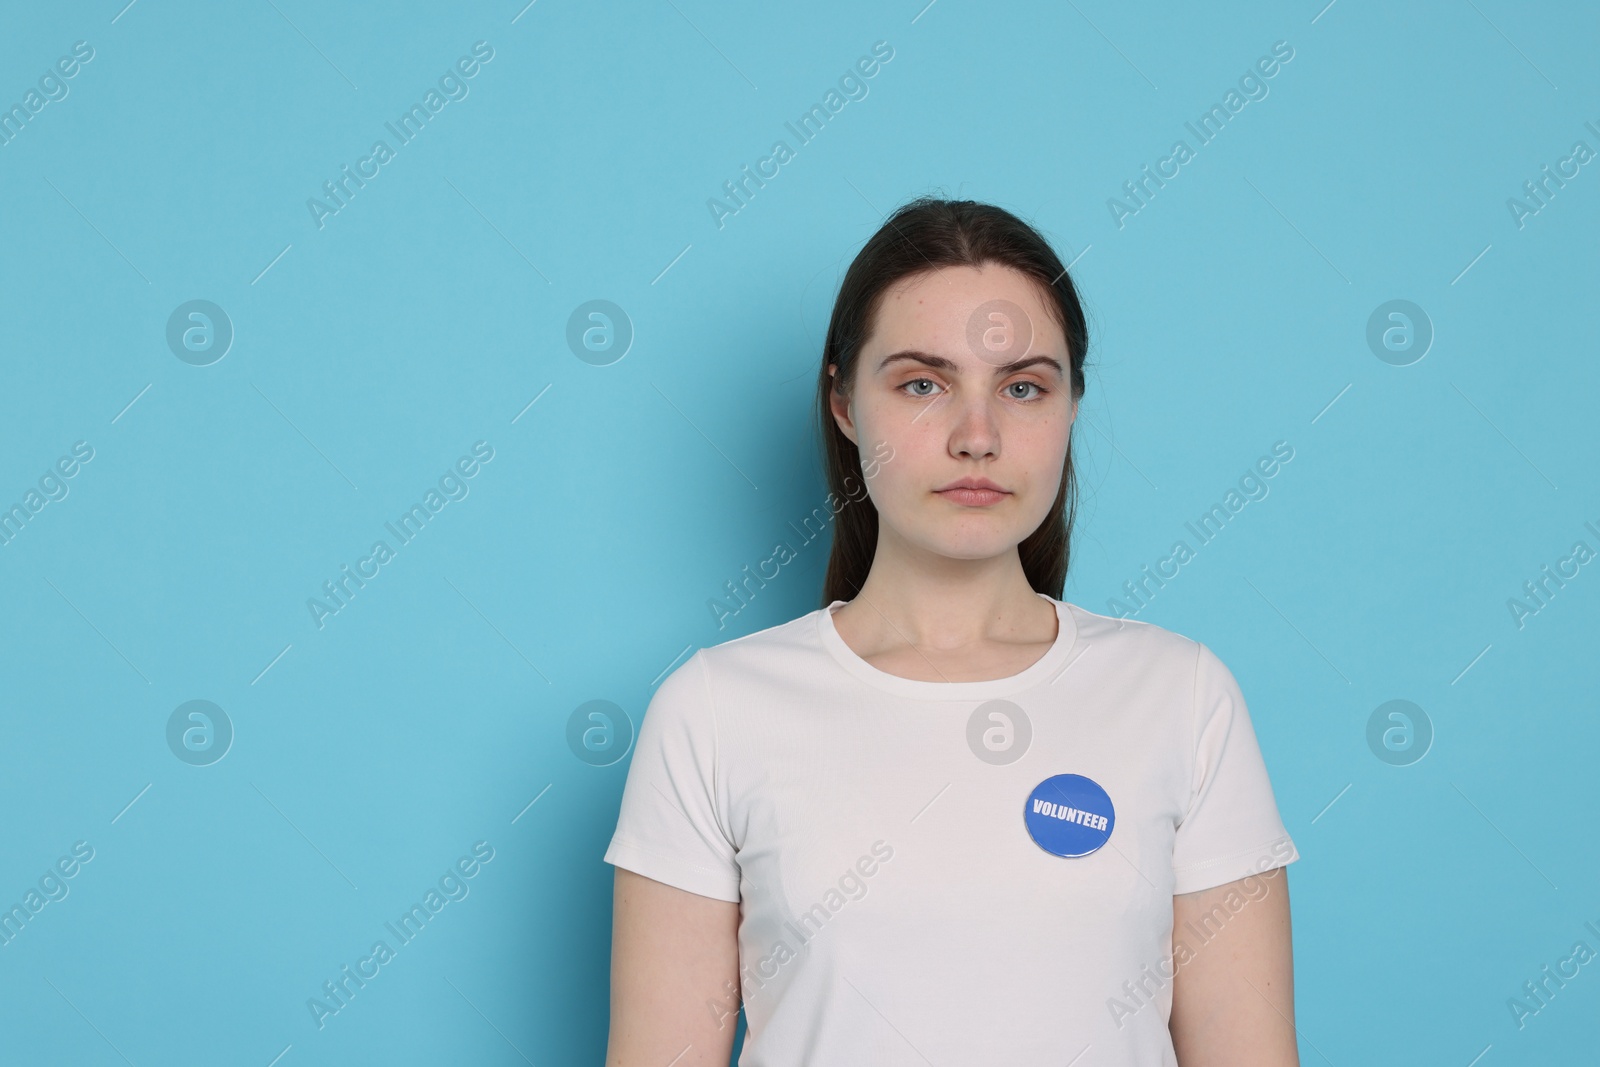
923	235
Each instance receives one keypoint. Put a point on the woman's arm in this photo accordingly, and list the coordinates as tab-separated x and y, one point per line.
674	976
1233	1000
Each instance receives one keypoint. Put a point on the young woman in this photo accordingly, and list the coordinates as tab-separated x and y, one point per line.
948	817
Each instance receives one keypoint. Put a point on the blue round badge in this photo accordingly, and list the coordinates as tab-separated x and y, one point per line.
1069	815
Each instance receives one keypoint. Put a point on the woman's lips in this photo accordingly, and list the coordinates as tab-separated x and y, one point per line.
974	497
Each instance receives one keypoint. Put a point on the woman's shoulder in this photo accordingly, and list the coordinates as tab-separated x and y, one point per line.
777	634
779	646
1136	639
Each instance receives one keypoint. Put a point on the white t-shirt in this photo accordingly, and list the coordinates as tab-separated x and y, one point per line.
895	907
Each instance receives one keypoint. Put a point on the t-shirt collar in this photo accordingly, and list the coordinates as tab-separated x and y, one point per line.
1041	672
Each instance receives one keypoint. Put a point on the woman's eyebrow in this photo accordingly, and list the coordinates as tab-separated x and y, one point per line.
943	363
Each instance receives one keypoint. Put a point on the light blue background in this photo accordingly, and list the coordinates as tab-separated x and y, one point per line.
1228	314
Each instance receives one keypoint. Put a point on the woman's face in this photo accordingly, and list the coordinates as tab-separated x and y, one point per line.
966	375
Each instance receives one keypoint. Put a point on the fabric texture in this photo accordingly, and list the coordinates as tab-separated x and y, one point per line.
894	906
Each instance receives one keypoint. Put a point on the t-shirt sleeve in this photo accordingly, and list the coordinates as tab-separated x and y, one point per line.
670	826
1231	827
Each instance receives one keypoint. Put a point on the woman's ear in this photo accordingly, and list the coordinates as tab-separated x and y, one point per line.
839	404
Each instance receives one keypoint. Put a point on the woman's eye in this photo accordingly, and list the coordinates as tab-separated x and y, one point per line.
923	387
